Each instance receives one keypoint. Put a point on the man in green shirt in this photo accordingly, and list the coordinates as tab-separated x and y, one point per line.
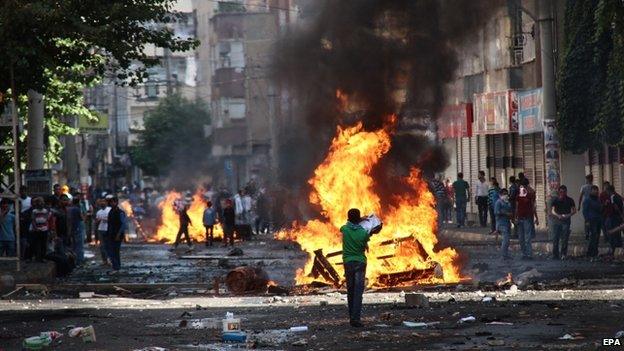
462	194
354	244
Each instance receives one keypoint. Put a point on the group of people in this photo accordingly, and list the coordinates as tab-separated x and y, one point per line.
54	228
513	212
236	214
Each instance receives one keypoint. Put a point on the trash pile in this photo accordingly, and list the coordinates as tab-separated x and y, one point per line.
53	338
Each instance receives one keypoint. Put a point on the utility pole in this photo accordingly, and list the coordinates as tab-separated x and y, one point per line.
549	104
35	146
167	53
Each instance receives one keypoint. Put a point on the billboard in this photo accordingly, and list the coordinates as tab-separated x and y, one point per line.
455	121
87	126
495	112
530	114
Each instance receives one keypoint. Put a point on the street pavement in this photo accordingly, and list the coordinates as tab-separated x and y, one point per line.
163	300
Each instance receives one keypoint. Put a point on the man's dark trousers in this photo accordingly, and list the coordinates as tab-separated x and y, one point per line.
355	272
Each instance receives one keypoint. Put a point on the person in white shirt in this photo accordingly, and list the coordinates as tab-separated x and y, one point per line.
101	220
25	200
481	198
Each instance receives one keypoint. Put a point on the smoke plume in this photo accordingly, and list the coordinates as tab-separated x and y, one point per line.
388	57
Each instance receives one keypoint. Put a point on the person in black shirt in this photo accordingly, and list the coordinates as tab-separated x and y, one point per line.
562	209
229	221
115	232
613	207
185	220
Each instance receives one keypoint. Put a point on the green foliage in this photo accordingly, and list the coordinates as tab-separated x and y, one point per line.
101	36
590	85
59	47
173	136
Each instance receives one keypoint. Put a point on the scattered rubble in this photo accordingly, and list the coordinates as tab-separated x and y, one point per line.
416	300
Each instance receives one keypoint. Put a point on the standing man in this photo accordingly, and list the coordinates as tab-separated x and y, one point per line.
513	196
592	212
25	219
101	221
42	224
354	244
493	191
185	220
209	219
76	229
562	209
481	198
115	233
462	194
7	229
504	213
229	221
440	196
585	191
614	210
450	195
526	218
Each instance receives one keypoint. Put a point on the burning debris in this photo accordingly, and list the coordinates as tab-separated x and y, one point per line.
404	252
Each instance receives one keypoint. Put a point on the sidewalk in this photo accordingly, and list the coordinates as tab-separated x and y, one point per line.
577	245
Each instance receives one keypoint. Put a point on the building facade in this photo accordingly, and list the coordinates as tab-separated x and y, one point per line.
494	119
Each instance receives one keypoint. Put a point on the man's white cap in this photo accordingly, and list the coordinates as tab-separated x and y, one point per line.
109	196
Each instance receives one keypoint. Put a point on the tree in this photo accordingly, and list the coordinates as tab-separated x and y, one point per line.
57	47
591	81
173	137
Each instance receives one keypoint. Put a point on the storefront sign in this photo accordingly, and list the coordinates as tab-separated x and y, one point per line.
551	157
530	118
455	121
495	112
88	126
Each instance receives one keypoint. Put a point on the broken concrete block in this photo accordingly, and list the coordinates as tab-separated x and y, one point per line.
416	300
7	283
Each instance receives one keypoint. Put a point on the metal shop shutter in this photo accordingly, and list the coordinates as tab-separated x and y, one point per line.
499	157
539	182
474	170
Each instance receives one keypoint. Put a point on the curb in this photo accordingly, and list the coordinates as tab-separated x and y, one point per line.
544	247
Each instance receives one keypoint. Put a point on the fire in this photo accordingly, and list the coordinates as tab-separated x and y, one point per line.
127	208
343	181
170	221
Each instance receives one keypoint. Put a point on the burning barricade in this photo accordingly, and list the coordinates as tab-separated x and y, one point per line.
404	251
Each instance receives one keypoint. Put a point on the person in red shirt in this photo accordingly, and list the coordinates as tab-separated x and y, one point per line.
526	217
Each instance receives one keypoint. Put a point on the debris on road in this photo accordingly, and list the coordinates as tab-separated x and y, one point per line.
468	319
234	336
416	300
499	323
505	282
230	323
86	333
299	329
245	279
235	252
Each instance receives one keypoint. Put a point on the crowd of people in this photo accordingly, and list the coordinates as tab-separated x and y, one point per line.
55	228
512	212
240	215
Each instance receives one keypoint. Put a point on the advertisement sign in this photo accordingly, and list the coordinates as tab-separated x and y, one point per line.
455	121
38	182
495	112
87	126
530	117
551	157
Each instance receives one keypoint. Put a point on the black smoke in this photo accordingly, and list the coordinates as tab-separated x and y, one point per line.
370	50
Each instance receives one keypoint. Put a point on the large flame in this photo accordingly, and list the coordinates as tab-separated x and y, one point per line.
343	181
170	220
